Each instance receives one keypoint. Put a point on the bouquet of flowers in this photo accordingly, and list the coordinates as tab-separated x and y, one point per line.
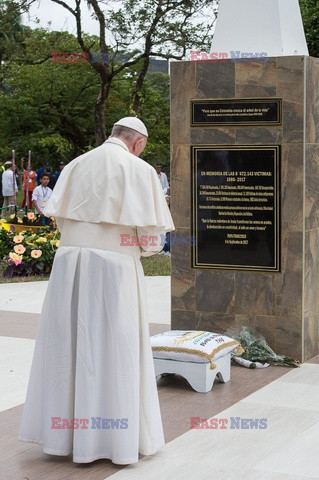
28	253
257	350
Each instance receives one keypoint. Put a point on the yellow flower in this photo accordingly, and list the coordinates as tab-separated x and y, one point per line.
31	216
31	244
20	220
16	259
19	249
36	253
55	243
41	240
12	216
18	239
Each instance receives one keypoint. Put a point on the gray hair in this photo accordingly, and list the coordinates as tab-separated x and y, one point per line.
126	133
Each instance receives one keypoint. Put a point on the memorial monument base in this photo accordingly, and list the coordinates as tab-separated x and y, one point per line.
281	302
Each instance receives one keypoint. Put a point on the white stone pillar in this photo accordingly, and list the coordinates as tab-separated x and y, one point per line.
273	27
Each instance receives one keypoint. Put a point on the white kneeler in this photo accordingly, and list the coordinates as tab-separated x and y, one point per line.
198	375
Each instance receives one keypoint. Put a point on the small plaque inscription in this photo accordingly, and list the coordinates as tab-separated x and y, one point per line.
232	112
236	207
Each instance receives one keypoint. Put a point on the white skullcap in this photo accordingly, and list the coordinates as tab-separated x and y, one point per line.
134	123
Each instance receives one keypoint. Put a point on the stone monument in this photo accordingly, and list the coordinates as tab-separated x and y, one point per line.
244	183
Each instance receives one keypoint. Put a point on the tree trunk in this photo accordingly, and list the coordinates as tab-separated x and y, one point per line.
139	85
99	111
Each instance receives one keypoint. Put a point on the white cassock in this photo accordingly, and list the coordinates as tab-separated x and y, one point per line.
92	359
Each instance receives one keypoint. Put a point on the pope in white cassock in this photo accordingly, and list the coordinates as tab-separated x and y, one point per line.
92	368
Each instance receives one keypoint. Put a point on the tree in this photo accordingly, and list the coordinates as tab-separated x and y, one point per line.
310	15
47	106
163	27
10	30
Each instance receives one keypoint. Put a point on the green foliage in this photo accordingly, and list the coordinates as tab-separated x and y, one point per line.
49	107
27	253
310	17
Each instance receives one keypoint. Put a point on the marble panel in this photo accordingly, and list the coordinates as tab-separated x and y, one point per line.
182	90
312	187
214	136
311	336
288	284
289	337
311	272
254	293
290	85
181	186
293	122
256	79
215	291
215	80
259	136
292	180
183	276
183	320
214	322
312	100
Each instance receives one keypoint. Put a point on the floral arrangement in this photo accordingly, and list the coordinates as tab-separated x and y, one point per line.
27	253
28	219
257	350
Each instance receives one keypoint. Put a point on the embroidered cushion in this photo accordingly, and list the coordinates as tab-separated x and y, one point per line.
193	346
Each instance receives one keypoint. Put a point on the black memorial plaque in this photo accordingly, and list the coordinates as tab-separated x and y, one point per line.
243	112
236	207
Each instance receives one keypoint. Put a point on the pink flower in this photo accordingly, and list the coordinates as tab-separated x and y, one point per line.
31	216
18	238
19	249
16	259
36	253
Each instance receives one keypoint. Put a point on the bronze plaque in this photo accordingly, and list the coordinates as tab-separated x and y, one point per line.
235	112
236	207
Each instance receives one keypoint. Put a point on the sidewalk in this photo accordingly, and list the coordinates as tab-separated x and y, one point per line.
287	400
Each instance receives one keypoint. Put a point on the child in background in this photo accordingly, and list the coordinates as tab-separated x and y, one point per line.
41	195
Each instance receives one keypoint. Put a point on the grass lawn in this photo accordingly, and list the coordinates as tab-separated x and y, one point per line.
155	265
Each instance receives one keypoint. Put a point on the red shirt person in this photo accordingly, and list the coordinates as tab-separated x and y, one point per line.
29	178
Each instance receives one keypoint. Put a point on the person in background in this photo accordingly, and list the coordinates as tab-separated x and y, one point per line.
40	171
2	169
9	189
61	167
29	178
162	177
40	196
48	171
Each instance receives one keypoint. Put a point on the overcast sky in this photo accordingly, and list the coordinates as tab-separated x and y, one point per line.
61	20
54	17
